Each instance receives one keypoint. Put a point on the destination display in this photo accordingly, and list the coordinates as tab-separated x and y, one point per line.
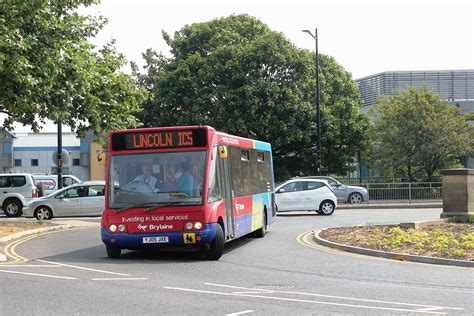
158	140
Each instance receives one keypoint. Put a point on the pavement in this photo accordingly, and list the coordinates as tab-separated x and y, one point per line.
391	204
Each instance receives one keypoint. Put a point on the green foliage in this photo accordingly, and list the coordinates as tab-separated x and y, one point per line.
49	70
237	75
462	219
416	131
441	240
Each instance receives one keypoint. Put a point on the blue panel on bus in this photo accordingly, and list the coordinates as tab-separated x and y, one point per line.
243	225
262	146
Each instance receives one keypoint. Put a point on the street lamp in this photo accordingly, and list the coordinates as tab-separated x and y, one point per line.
318	107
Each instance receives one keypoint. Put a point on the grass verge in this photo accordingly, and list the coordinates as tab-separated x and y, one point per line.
13	228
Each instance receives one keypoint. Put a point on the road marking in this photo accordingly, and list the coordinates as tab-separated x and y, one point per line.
240	313
118	279
40	275
82	268
425	307
10	249
430	309
30	265
305	301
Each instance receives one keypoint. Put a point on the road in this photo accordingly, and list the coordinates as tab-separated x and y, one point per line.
68	273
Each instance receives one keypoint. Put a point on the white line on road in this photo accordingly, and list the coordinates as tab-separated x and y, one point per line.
304	301
30	265
430	309
335	297
118	279
82	268
240	313
40	275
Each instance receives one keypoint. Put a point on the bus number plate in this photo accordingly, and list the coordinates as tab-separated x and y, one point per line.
155	240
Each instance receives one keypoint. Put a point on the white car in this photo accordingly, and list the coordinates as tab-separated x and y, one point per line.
305	195
16	189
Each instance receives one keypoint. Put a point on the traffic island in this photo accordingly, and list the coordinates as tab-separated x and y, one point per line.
453	244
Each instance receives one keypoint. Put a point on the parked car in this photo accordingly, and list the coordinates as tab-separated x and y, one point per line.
49	183
16	189
344	193
80	199
305	195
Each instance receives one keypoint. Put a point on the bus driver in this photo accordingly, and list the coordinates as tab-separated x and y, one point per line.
147	176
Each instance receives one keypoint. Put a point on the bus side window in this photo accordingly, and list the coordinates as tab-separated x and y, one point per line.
214	189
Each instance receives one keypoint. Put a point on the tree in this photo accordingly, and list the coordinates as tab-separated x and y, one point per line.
240	77
49	70
416	131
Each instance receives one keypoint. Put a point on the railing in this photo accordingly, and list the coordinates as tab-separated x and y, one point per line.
410	192
377	180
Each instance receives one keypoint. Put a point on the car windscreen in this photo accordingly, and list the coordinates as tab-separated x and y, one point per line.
165	177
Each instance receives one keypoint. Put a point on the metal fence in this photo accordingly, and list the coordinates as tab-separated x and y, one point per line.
410	192
378	180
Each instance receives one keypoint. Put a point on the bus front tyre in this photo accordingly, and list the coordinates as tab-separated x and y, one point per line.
216	247
113	252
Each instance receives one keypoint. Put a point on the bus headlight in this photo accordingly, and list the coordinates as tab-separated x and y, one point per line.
121	228
113	228
189	225
198	225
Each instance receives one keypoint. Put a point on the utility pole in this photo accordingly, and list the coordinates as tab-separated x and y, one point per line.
318	155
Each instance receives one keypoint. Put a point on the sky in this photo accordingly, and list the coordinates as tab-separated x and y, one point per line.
365	37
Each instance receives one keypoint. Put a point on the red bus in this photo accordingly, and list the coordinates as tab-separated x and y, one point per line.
188	187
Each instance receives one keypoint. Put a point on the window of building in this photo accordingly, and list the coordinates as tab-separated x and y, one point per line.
17	162
34	162
76	162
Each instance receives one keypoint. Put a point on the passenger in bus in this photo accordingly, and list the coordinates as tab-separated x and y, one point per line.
186	181
147	176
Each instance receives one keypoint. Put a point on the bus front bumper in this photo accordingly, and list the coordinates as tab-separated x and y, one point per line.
174	239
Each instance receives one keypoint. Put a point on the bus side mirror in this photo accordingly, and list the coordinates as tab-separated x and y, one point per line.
222	151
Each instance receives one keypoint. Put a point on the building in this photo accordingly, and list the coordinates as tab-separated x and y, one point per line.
34	152
455	86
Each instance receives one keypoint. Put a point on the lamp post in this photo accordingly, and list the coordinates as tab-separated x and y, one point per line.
318	106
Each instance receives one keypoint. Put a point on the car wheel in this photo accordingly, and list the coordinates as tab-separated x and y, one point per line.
356	198
327	207
12	208
43	213
217	245
112	252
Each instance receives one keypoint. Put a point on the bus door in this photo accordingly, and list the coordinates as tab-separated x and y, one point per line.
225	185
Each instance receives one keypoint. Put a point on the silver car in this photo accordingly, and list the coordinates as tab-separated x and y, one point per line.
80	199
345	193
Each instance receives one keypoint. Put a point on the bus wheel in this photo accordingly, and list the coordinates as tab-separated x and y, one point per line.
217	245
113	252
260	233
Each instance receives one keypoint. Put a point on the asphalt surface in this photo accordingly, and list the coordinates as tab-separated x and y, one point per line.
68	272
